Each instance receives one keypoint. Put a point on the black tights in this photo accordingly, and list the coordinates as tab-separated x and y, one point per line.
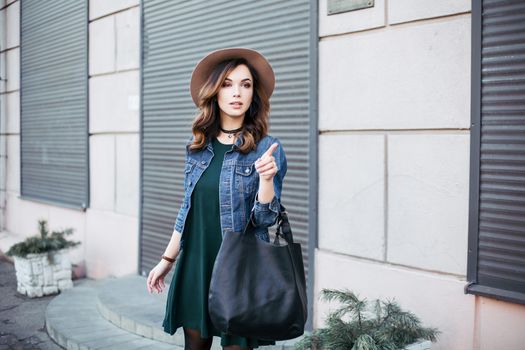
193	341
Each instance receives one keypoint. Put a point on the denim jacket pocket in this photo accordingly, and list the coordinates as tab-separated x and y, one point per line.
246	178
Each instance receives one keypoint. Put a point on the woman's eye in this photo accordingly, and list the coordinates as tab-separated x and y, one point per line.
247	85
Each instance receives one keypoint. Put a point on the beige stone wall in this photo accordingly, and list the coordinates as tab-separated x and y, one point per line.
394	99
114	58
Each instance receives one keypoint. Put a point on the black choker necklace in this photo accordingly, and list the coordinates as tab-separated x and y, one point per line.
231	132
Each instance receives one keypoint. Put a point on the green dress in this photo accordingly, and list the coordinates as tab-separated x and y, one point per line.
187	300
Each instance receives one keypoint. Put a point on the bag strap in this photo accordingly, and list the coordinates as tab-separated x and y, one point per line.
284	226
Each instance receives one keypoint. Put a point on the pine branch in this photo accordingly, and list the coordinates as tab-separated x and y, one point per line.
365	342
379	325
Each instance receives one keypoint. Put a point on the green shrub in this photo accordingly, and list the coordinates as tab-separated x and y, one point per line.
359	325
44	243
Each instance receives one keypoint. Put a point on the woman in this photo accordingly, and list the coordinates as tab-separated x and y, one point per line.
233	173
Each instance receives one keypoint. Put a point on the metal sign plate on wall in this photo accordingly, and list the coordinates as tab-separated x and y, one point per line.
338	6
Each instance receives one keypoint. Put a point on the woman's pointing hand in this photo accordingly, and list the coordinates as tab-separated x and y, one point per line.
265	165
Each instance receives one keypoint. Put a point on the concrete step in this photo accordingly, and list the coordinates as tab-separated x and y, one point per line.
116	313
127	304
74	322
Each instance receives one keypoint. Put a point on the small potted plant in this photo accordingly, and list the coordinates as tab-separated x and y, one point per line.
360	325
42	263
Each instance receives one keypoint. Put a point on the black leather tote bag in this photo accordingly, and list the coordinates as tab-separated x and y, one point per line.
257	288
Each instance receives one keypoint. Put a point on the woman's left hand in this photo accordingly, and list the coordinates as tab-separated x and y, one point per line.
266	165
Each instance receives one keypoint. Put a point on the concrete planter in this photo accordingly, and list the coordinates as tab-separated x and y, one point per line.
42	274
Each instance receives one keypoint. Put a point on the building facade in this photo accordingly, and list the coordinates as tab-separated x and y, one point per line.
402	122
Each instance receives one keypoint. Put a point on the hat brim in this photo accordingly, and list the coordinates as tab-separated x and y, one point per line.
203	69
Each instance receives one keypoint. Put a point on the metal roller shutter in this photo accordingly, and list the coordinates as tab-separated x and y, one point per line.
176	34
54	102
497	228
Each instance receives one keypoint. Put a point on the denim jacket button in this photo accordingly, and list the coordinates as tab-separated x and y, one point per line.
203	162
247	170
190	183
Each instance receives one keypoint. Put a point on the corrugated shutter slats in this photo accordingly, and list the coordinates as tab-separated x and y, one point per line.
501	247
54	102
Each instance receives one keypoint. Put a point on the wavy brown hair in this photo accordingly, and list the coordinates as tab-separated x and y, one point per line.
207	121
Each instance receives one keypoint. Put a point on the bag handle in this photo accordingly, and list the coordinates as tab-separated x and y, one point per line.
283	225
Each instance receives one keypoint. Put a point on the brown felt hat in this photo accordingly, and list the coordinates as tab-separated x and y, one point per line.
205	66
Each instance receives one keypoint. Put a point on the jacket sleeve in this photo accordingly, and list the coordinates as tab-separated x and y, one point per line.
266	214
178	220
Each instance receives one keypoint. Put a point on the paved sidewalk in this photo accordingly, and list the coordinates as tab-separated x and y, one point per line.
22	324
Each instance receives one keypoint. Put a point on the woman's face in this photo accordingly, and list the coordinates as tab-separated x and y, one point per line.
236	92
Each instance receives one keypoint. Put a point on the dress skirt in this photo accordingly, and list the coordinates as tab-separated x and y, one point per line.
187	299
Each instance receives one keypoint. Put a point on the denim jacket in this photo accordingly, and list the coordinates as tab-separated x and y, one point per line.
239	187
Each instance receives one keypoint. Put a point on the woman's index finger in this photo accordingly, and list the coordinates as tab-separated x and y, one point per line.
270	150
